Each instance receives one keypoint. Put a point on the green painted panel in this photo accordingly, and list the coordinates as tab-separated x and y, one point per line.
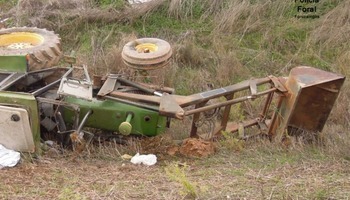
13	63
108	115
28	102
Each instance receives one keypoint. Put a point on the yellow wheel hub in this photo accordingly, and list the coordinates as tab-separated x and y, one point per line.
20	40
146	48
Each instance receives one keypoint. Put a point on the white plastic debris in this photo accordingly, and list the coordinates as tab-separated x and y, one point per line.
8	158
149	159
49	143
138	1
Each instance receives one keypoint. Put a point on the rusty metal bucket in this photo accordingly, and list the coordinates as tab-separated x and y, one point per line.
311	95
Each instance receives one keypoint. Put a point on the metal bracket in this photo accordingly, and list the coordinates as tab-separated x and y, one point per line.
169	107
108	86
76	88
277	83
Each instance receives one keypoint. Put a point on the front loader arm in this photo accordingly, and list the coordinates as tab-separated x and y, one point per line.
287	91
178	106
168	109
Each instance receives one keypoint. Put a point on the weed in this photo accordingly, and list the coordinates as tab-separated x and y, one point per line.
177	173
236	113
68	193
232	142
321	194
117	4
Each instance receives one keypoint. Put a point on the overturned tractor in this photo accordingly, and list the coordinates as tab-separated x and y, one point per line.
41	100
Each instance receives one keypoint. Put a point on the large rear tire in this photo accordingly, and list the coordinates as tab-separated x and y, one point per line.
41	47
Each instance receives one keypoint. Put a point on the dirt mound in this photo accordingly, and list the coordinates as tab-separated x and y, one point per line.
193	147
164	145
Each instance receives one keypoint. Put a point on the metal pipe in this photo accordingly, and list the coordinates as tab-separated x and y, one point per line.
225	115
245	124
233	101
128	118
267	105
5	85
75	107
82	123
141	87
45	88
211	94
7	78
273	126
195	120
86	74
156	109
67	73
61	124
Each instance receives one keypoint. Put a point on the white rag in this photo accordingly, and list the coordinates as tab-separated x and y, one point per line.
8	158
149	159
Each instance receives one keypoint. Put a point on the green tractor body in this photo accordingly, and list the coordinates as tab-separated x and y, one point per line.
16	63
108	115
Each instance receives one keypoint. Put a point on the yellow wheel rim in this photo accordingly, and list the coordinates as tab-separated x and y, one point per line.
146	48
20	40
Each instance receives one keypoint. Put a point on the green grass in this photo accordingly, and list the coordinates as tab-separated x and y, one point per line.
116	4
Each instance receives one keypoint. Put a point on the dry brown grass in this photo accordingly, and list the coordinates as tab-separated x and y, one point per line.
142	10
228	19
334	27
183	10
189	54
261	170
71	15
230	69
342	63
212	6
55	14
336	140
102	60
245	16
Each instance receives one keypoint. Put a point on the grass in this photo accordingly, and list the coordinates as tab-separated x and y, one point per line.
215	42
177	173
261	170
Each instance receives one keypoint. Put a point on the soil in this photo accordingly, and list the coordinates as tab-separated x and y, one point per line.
193	147
164	146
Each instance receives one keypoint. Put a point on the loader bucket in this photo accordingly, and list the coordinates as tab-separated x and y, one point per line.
311	95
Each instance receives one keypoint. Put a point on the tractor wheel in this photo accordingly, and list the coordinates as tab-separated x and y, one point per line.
147	53
41	47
